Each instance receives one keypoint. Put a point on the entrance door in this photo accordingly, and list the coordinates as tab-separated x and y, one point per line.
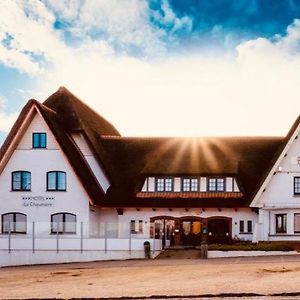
190	232
219	231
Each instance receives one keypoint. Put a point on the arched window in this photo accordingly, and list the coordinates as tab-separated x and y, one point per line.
21	181
56	181
63	223
13	222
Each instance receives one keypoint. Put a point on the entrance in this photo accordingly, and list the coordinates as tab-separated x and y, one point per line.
219	230
190	232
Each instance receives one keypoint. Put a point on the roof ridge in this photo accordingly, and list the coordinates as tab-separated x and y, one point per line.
77	114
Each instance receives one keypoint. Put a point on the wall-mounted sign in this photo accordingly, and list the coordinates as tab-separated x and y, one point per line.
38	201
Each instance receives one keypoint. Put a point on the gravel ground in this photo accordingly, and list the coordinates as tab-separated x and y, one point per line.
138	278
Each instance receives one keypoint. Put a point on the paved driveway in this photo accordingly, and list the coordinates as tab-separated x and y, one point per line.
138	278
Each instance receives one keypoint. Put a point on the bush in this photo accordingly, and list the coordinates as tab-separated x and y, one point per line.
262	246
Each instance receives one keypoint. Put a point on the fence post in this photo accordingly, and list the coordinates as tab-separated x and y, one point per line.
81	237
129	238
33	237
57	240
105	237
9	238
154	229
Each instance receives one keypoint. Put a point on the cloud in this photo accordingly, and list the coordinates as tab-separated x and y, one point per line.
124	24
231	94
195	95
7	120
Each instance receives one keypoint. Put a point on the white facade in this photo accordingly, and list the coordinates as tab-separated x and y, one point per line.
277	198
111	233
39	204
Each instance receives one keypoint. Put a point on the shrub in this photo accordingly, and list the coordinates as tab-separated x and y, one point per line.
262	246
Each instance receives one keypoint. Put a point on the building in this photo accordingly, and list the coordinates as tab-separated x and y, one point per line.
66	172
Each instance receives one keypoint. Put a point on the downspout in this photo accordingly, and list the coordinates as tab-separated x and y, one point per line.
269	225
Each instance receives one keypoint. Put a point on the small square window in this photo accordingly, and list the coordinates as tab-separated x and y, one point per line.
39	140
216	184
186	185
168	185
160	184
190	185
164	184
194	185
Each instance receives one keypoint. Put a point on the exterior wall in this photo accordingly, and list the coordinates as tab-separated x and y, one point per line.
42	203
92	250
91	160
278	198
268	225
145	215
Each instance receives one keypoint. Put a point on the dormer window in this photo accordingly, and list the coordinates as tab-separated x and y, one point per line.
164	184
39	140
190	185
216	184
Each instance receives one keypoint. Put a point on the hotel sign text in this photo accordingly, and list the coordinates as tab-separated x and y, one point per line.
38	201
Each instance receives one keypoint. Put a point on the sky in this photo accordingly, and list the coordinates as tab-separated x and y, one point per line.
157	67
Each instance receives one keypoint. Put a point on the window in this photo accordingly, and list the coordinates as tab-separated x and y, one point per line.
296	185
280	223
136	226
132	226
242	226
63	223
164	184
39	140
190	185
216	184
297	223
21	181
56	181
140	226
242	229
14	223
249	226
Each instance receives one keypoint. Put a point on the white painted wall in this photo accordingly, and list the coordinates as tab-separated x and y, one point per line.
38	161
145	214
278	197
177	184
203	184
91	160
70	250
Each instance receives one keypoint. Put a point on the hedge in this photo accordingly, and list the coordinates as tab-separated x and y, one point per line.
252	247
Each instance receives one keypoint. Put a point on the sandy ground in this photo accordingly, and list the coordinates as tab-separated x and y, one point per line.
263	275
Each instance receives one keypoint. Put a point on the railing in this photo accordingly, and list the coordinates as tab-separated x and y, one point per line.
41	236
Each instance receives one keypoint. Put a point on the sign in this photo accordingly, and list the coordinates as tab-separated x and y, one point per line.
38	201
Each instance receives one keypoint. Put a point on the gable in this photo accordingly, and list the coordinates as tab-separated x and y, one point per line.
37	124
277	188
51	123
39	201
